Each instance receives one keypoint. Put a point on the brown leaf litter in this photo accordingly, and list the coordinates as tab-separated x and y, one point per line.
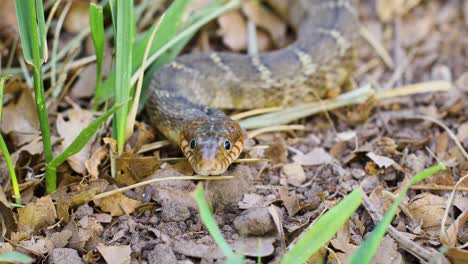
267	205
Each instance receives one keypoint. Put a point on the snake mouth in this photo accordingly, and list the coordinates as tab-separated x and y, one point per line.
207	160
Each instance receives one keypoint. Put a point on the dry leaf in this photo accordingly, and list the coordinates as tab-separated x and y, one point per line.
78	17
255	247
118	204
416	31
462	133
8	23
92	165
388	10
69	130
428	209
234	30
38	214
457	256
21	117
449	237
317	156
294	174
115	254
265	19
381	161
387	252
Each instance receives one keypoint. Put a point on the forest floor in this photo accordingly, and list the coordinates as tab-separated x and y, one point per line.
377	145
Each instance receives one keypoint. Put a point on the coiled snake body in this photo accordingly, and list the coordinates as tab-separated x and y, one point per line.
187	93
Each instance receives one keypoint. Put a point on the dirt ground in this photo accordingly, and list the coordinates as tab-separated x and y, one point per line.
378	146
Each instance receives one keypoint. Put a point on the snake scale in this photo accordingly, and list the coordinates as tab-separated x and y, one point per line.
188	94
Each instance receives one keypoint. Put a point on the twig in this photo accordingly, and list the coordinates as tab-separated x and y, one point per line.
439	123
378	47
154	146
405	243
443	230
257	132
254	112
143	183
439	188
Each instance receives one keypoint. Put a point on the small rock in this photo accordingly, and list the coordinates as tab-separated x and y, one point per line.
174	212
64	256
163	254
369	183
254	221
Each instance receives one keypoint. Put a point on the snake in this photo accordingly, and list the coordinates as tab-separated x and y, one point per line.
189	96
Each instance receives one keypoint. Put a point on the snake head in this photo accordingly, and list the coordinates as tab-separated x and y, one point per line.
211	144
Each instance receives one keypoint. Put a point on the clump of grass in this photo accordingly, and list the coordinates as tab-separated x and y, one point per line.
31	24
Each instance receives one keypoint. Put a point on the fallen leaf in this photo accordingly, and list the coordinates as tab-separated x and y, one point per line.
416	31
449	237
133	168
462	133
457	256
388	10
317	156
267	20
388	252
115	254
78	119
295	174
254	247
278	151
381	161
78	17
20	117
8	23
234	30
118	204
428	209
92	164
7	219
38	214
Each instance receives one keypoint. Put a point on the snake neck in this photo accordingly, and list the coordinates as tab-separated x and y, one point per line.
196	85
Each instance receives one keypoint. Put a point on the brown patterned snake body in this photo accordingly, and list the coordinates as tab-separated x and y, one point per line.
187	93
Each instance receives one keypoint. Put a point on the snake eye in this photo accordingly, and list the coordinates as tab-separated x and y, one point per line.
227	145
193	144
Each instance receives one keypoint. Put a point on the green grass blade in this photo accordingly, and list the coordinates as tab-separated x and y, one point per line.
166	31
96	22
31	23
209	221
324	229
22	15
42	30
82	139
6	153
367	250
123	66
15	257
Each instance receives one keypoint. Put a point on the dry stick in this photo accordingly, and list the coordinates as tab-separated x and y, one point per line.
143	183
154	146
257	132
405	243
378	47
254	112
439	188
431	86
435	121
443	231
